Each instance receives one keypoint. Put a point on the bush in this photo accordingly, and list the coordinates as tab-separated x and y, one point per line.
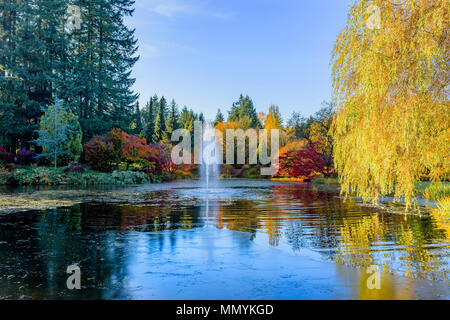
305	164
25	157
129	177
135	149
105	153
116	139
74	168
100	154
161	159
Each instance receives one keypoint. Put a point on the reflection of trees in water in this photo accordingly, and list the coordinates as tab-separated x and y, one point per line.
140	218
290	210
355	235
410	241
241	215
42	246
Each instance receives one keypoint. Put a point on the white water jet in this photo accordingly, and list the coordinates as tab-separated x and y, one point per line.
210	168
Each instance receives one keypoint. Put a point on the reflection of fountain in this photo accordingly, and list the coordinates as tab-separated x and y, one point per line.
210	170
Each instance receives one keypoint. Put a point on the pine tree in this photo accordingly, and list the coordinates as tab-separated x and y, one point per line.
219	118
160	122
187	119
88	68
173	119
149	117
243	111
136	124
102	55
201	117
32	41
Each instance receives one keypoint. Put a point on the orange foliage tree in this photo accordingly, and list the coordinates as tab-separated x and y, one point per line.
135	149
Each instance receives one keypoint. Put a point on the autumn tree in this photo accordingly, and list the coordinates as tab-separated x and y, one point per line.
135	149
391	82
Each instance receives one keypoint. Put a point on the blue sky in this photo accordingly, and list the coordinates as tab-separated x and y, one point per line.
205	53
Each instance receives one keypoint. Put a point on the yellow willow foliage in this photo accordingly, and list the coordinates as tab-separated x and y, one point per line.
391	85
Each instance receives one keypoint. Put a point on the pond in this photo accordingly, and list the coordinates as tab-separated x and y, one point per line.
243	239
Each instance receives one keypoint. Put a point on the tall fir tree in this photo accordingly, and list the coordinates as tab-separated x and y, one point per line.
187	119
201	117
243	112
136	127
103	53
160	122
172	120
219	118
89	68
149	116
31	50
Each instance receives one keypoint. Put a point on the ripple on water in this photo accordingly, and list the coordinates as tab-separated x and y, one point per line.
273	239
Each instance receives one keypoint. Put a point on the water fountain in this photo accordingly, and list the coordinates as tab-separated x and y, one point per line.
210	168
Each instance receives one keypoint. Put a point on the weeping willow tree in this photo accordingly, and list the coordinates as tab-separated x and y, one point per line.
391	83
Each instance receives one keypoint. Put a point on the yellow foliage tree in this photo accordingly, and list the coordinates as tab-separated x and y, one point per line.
391	82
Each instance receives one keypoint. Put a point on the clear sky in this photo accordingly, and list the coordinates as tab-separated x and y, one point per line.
205	53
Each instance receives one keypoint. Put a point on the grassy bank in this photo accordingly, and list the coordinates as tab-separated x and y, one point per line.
327	181
51	176
439	192
433	191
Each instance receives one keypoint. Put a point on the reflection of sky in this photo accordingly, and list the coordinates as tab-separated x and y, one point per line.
216	264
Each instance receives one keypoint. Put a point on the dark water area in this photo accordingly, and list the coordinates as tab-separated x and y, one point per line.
239	240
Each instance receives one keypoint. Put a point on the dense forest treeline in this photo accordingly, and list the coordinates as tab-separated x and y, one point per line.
43	57
88	68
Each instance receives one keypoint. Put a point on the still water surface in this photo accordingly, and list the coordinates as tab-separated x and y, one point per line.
241	240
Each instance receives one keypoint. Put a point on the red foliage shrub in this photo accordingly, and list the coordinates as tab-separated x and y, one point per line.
305	164
161	159
100	154
105	153
134	148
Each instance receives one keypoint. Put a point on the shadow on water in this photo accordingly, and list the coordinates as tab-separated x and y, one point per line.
249	240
